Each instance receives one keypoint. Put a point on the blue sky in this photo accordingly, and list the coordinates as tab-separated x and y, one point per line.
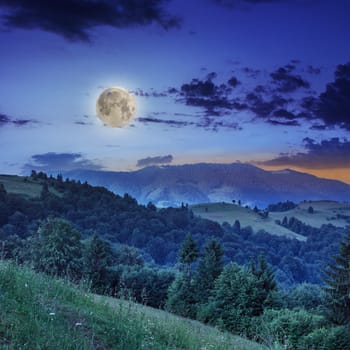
260	81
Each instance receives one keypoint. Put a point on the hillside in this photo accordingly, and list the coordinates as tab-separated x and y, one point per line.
203	183
225	212
323	213
40	312
24	186
158	233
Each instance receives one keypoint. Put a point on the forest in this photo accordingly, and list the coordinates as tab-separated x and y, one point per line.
265	287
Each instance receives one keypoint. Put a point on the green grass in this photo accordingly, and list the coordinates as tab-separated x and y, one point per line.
325	212
221	212
24	186
39	312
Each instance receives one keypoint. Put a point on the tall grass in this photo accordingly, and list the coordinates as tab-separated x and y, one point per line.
39	312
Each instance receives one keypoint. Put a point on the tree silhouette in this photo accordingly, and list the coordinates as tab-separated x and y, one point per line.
338	285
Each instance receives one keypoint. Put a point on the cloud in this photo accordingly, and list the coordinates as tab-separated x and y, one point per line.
233	82
52	161
333	105
283	99
206	94
154	160
6	120
286	81
251	72
152	93
283	123
169	122
266	108
327	154
74	19
313	70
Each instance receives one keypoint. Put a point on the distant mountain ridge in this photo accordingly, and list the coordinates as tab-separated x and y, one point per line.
172	185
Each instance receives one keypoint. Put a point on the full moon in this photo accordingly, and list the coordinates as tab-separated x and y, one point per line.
116	107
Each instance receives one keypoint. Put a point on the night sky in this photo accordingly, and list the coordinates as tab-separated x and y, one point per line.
259	81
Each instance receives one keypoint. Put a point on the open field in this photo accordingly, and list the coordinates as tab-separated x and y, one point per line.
39	312
222	212
324	212
24	185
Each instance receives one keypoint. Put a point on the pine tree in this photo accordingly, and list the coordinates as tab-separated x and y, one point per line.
182	294
235	299
265	281
338	285
188	253
97	258
181	297
209	269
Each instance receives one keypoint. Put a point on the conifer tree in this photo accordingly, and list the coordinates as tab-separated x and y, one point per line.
188	253
265	281
337	287
209	269
182	294
97	258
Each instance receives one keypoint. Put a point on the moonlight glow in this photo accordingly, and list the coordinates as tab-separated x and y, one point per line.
116	107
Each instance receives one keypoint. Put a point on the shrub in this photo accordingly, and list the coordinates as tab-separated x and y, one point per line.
288	326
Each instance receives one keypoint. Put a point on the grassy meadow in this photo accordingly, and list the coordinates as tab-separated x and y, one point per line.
324	212
39	312
221	212
24	186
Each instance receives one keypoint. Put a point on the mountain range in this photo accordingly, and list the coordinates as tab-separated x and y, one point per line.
172	185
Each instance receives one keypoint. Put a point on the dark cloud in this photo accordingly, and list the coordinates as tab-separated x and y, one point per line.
154	160
313	70
78	122
283	123
6	120
205	122
52	161
74	19
218	100
233	81
211	97
284	100
327	154
283	113
151	93
169	122
286	81
318	127
262	107
333	105
251	72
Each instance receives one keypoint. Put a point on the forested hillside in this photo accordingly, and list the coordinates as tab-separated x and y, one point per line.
223	275
157	233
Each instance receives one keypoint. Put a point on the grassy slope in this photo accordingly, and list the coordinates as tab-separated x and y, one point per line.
38	312
325	212
221	212
24	186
